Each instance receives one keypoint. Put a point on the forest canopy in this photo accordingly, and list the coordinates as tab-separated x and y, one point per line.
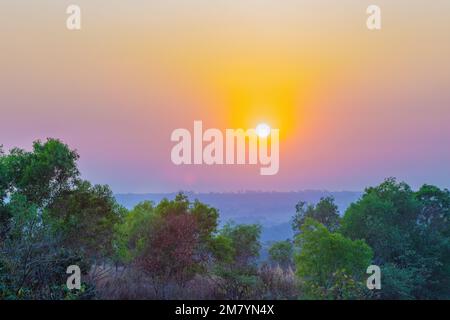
50	218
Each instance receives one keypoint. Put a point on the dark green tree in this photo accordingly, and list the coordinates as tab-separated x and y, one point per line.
282	253
32	257
85	218
408	232
325	211
330	265
237	264
41	174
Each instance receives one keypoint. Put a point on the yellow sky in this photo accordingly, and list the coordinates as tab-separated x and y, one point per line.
139	69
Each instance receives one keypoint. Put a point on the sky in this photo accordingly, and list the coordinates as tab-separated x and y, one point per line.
353	106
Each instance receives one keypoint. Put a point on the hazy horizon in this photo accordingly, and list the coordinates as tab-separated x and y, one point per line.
353	106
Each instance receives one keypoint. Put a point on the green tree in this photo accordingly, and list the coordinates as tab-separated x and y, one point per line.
384	217
130	235
431	239
41	174
85	218
408	232
325	212
434	208
5	215
281	253
222	249
170	242
3	176
32	258
245	239
330	265
237	267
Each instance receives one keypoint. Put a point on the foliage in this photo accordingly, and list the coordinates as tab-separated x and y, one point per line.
281	253
40	175
50	219
85	217
169	254
130	234
32	261
43	203
237	269
409	233
327	261
325	211
170	242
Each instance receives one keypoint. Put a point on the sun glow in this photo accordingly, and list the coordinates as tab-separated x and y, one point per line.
263	130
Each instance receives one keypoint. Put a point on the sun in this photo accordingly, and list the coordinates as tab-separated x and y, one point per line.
263	130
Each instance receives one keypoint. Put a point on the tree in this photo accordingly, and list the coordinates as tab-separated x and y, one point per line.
409	233
282	253
169	254
32	257
130	235
85	218
4	183
5	214
237	268
32	260
325	212
222	249
330	265
434	208
170	242
41	174
384	217
431	239
245	239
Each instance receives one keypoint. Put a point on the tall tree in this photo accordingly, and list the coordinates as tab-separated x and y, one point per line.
32	258
408	232
85	218
172	241
237	268
282	253
325	211
42	173
331	265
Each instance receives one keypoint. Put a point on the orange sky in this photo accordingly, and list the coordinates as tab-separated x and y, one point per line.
353	106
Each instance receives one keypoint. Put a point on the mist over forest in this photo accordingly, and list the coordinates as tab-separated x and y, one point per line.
272	210
250	245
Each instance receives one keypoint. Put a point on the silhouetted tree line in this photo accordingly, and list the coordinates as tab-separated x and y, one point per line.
50	218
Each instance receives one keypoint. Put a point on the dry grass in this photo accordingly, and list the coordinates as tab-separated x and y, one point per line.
132	284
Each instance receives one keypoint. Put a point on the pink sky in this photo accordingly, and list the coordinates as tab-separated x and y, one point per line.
353	106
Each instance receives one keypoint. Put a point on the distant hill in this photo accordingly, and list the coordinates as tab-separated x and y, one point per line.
273	210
